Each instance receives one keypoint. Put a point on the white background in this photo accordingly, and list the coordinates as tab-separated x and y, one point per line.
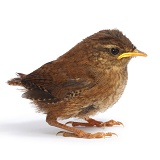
35	32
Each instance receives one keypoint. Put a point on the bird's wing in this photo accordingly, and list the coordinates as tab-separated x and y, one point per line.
55	85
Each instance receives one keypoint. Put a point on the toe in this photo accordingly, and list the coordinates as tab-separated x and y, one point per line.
67	134
112	123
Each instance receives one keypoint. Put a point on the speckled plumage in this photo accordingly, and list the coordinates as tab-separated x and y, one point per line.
85	80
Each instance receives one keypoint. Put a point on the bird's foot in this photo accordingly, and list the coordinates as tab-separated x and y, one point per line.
75	132
82	134
91	122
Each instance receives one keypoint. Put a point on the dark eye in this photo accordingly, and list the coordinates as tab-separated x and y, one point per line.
114	51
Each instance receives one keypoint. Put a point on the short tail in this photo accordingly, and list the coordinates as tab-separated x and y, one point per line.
17	81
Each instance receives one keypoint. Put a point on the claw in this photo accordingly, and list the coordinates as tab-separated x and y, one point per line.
70	122
114	134
120	123
60	132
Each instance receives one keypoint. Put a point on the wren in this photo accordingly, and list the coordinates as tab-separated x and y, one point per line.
87	79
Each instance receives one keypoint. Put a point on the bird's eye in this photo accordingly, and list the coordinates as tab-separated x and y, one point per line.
114	51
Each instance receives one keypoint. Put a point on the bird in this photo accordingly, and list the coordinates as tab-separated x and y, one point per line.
87	79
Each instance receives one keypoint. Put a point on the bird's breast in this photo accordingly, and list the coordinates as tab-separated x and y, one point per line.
110	89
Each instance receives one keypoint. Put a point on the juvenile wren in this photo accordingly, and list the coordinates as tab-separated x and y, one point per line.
87	79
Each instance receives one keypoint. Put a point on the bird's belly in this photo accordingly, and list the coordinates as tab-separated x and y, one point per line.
102	102
108	100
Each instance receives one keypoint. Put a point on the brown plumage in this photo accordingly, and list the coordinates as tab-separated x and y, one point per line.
87	79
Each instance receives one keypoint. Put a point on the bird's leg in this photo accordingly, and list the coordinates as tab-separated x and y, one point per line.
74	132
91	122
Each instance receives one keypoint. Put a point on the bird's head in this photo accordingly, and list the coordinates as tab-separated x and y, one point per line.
110	48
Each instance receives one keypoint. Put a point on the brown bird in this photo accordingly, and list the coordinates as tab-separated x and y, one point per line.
87	79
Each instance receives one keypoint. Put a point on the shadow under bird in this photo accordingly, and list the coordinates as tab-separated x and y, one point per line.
87	79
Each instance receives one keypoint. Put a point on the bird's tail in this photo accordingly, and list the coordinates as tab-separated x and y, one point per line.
17	81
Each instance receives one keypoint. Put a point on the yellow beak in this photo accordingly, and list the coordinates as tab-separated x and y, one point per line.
136	52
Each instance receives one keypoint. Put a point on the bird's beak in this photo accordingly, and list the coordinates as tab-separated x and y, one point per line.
136	52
